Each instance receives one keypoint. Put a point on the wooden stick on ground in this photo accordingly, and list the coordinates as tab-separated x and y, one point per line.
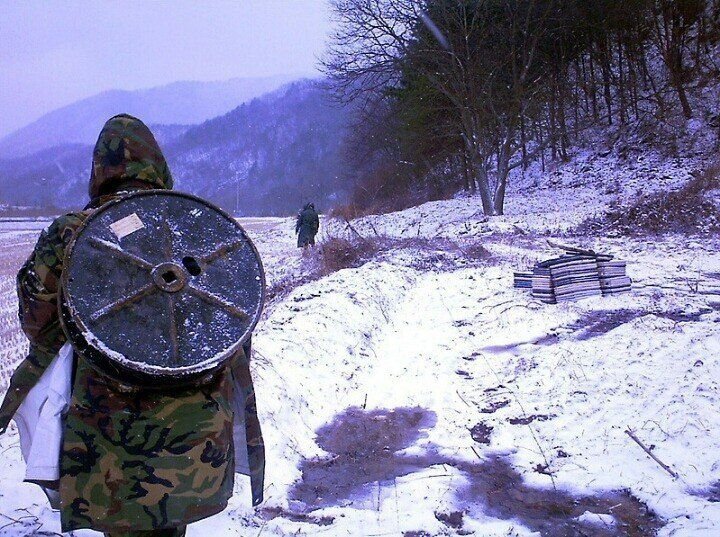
351	228
665	467
567	248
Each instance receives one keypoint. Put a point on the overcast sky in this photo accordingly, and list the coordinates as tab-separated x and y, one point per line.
54	52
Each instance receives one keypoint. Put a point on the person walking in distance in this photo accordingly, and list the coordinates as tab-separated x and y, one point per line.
307	226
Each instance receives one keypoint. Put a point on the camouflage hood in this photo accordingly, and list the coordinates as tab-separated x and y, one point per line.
127	157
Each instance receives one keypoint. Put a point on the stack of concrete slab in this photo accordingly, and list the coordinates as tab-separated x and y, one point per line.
542	285
613	277
522	280
575	275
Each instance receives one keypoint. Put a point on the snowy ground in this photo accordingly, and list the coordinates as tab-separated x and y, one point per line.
398	400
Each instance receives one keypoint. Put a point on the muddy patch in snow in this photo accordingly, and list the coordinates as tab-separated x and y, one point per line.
364	446
494	406
526	420
501	492
481	433
270	513
711	494
453	519
548	339
690	317
366	449
599	322
714	493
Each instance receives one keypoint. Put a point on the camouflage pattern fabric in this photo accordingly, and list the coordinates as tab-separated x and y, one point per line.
133	460
126	152
307	225
170	532
37	287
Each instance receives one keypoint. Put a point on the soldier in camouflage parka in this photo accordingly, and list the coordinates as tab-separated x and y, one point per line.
134	461
307	225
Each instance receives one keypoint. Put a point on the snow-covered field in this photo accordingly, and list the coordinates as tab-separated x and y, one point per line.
398	400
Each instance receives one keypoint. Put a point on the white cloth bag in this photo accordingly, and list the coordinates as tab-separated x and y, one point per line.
40	418
40	421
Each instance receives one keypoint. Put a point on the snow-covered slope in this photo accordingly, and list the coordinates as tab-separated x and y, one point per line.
554	386
606	171
412	399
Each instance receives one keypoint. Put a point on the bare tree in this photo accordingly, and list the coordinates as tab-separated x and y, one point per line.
673	23
480	87
367	48
480	56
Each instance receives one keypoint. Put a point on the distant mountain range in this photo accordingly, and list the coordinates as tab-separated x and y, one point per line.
267	156
176	103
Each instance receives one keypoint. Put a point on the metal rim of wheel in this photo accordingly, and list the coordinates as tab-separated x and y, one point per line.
174	274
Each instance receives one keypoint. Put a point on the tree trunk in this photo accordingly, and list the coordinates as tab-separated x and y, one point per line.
523	142
484	189
552	128
680	89
503	171
621	84
593	89
607	81
467	176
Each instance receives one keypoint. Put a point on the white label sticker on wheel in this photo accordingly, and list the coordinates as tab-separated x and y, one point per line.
126	226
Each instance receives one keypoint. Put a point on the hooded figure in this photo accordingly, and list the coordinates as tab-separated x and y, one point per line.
133	461
307	226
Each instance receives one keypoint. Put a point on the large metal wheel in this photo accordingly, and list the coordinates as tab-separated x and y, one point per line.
160	288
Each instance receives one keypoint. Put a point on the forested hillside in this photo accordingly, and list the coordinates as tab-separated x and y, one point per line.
265	157
268	156
183	102
458	94
439	97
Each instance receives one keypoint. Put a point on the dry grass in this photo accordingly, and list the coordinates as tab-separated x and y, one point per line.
439	253
337	253
331	255
347	212
475	251
690	209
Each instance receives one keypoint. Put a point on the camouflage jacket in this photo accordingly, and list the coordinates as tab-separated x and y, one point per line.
307	225
132	459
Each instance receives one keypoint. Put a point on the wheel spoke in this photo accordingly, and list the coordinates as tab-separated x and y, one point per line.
174	342
215	300
222	250
119	252
124	302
